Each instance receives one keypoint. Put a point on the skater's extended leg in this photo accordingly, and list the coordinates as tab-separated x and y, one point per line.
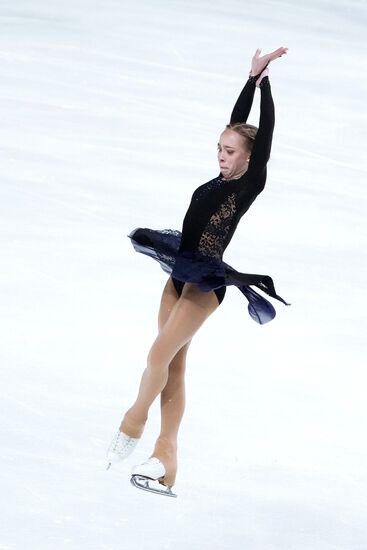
186	317
172	403
172	396
172	410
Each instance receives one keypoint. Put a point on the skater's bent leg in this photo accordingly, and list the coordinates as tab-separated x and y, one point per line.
133	423
186	317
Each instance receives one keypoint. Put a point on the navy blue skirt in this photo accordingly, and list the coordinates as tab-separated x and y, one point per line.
208	273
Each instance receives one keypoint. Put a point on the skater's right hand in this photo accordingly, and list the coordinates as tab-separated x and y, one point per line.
258	64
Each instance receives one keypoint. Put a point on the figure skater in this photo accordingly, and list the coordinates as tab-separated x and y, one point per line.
198	275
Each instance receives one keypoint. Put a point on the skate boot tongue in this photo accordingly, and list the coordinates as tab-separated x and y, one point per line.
121	447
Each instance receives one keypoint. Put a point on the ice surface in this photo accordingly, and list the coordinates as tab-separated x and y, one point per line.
110	114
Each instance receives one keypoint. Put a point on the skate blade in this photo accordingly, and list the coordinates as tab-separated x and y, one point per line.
142	482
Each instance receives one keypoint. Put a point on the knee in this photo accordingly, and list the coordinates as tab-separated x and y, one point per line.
162	352
152	360
157	359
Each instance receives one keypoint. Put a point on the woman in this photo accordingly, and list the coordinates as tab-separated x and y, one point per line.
198	276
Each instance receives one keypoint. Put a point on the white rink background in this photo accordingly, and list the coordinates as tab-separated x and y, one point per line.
110	114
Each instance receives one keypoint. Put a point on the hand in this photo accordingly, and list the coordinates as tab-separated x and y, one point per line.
258	64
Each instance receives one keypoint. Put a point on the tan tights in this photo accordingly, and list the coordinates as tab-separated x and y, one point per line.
179	319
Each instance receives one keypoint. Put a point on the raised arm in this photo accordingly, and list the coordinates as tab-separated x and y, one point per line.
262	145
243	105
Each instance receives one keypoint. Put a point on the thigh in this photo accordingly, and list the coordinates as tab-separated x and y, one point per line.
168	300
170	297
194	299
185	318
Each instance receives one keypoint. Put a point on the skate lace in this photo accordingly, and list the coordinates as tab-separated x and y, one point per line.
122	442
151	460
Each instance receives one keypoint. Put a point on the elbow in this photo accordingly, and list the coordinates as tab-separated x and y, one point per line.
261	181
261	187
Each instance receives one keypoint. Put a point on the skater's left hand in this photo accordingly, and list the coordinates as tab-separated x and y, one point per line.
259	63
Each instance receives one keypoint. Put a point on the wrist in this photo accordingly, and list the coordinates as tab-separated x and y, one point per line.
253	79
263	82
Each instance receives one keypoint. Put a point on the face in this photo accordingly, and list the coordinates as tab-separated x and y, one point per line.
232	154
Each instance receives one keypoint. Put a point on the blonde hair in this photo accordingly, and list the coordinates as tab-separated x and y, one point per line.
247	131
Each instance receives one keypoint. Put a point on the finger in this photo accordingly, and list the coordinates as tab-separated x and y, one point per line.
274	55
278	53
257	53
280	50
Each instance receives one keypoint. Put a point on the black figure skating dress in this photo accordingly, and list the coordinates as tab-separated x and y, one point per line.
195	254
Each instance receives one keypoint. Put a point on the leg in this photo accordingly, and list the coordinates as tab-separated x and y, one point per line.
168	300
172	400
172	410
185	318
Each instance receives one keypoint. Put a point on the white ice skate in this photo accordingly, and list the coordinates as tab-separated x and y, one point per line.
120	448
151	470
